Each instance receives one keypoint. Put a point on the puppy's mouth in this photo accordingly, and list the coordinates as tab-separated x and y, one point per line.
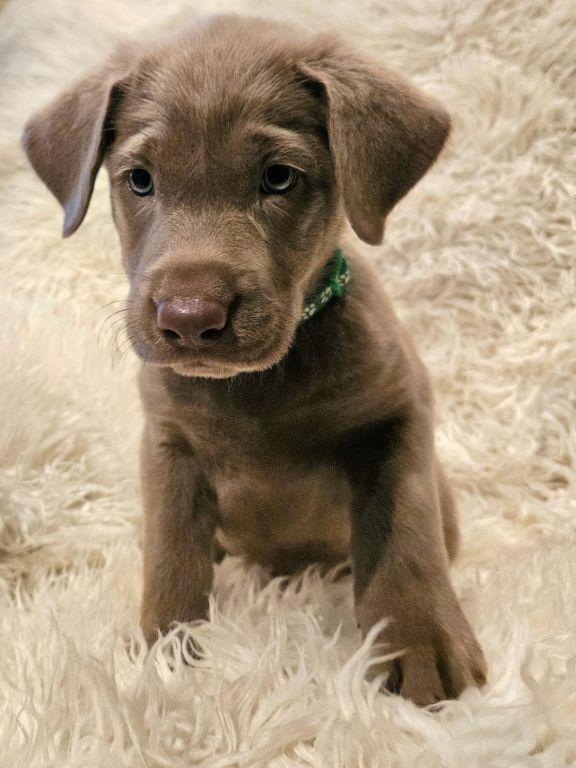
249	341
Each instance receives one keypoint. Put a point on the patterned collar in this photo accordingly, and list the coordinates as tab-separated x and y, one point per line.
335	277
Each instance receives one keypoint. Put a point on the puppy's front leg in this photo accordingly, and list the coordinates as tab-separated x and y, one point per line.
401	569
179	522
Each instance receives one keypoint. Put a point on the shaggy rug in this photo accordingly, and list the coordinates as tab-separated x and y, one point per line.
479	261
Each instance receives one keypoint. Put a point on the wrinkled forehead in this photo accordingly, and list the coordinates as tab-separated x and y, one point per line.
209	94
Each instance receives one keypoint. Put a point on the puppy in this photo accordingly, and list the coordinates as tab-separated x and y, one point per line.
288	417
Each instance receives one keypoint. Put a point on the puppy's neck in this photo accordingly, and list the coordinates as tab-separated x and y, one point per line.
332	283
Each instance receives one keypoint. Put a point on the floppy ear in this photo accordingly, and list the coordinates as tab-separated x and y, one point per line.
383	133
67	140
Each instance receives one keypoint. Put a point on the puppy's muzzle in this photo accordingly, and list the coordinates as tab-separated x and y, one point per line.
191	322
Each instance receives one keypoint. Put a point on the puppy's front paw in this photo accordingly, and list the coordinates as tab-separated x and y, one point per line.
439	669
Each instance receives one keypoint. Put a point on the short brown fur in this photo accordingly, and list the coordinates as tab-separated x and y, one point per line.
289	443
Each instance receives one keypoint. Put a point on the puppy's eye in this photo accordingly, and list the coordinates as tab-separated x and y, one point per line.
277	179
140	182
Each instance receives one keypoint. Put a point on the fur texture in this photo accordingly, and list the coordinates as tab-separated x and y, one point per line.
479	262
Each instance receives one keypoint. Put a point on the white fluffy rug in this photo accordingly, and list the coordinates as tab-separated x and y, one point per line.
480	261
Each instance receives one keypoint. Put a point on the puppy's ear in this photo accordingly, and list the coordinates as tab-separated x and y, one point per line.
383	133
66	141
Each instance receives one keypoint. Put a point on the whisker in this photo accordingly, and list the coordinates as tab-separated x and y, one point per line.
124	273
113	332
104	306
109	322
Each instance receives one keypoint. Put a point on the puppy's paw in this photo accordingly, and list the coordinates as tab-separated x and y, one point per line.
440	669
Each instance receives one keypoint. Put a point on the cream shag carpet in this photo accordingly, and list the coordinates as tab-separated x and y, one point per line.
479	260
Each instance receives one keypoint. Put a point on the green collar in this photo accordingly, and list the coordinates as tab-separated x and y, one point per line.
334	279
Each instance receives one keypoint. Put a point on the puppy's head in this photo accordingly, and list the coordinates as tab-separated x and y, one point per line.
234	151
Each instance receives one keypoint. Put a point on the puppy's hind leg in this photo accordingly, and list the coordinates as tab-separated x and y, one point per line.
449	512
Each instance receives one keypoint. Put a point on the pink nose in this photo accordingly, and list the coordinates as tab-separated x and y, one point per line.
191	322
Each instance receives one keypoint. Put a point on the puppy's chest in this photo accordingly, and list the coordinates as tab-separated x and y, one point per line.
278	515
280	501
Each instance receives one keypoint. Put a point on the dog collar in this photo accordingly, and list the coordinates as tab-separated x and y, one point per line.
335	277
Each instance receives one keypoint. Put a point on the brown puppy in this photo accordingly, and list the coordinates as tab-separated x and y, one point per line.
235	150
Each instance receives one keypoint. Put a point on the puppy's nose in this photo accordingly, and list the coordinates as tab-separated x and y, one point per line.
191	322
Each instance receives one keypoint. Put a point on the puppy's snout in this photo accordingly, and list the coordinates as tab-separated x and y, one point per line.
191	322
